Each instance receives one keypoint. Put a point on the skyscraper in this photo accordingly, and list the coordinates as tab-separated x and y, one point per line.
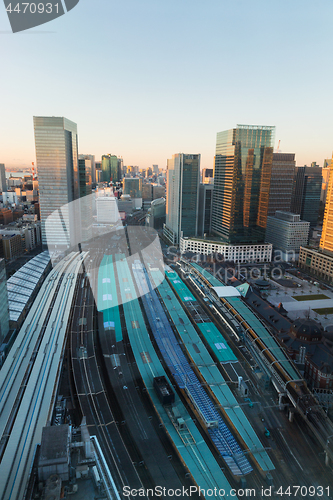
93	165
110	168
306	192
242	175
3	184
283	170
58	174
183	178
85	174
205	209
326	242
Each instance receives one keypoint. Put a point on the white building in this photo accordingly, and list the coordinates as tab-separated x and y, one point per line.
236	253
107	210
287	233
9	197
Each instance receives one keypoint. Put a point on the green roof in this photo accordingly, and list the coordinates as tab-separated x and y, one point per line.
107	300
217	342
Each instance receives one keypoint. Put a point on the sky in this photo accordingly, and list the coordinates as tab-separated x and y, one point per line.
147	79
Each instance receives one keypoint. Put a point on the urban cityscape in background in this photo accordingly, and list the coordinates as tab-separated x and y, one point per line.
168	326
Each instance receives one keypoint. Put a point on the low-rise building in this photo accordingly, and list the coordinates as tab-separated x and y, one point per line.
316	262
107	210
260	252
287	233
30	233
10	246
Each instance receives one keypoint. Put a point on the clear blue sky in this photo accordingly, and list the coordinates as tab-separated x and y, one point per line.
145	80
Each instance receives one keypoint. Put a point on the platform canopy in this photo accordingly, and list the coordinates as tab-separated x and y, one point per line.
226	291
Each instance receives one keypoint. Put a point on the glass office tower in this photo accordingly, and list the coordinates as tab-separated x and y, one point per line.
110	168
280	193
242	175
58	176
183	178
306	193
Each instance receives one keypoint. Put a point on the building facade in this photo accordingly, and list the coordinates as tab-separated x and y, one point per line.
3	184
93	165
306	193
205	209
4	311
85	188
242	175
326	242
281	185
110	168
156	215
317	263
133	187
287	233
107	210
235	253
325	178
182	202
58	176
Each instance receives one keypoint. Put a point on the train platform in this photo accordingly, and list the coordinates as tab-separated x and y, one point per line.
209	371
247	315
195	453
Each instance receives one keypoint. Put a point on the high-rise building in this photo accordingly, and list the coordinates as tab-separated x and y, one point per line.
85	182
183	178
3	184
325	177
205	209
283	170
93	165
110	168
58	175
155	169
133	187
120	163
157	213
208	175
326	242
4	311
242	175
306	192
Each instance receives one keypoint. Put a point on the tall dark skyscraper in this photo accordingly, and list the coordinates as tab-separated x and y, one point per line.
280	193
205	209
242	175
58	176
183	178
306	193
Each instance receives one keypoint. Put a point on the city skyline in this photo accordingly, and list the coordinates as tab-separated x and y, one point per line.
263	72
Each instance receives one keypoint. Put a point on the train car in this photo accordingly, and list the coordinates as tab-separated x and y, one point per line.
163	390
